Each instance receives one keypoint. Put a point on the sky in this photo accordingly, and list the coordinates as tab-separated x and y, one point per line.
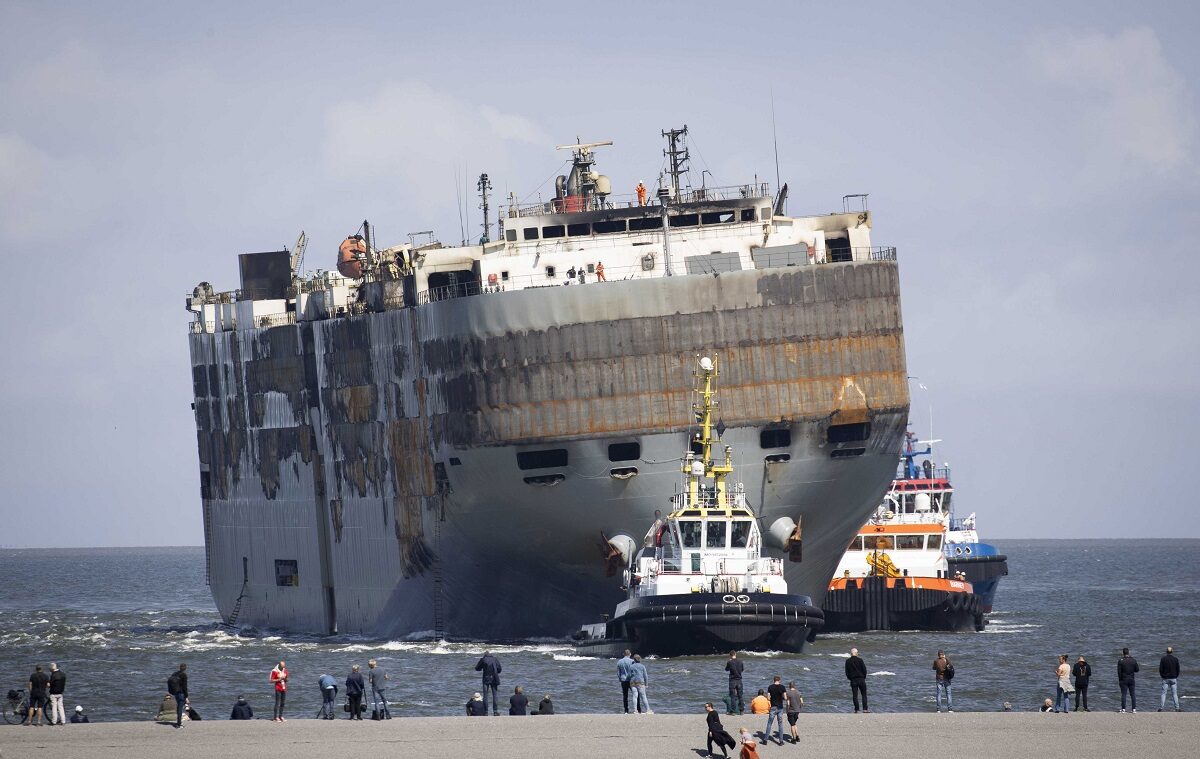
1035	164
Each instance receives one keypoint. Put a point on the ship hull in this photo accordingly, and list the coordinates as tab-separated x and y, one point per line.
983	569
699	624
361	474
873	603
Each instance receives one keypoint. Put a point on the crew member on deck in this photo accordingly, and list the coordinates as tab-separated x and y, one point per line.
641	193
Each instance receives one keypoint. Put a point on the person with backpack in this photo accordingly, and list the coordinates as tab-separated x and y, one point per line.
177	686
943	675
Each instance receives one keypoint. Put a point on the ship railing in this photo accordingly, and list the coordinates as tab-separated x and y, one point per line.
766	259
579	203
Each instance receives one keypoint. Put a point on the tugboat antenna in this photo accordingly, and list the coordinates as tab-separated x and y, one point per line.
677	153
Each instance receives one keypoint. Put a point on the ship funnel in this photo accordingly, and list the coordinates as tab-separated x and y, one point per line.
923	505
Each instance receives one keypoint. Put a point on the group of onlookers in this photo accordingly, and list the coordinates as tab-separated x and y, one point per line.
45	694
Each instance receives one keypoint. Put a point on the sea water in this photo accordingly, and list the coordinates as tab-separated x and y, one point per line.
119	621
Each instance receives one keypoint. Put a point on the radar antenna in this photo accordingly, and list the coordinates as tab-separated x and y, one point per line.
485	185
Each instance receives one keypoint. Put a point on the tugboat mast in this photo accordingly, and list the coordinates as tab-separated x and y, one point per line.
696	469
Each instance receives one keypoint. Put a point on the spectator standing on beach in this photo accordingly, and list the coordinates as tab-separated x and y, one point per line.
476	706
378	678
777	694
279	678
177	686
1168	670
1127	669
329	689
624	672
1083	673
760	704
640	679
518	703
942	665
856	673
39	684
795	702
735	668
1062	691
58	684
241	710
716	732
490	667
354	692
79	718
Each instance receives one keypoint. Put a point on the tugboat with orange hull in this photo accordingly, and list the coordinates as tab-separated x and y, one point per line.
895	577
702	583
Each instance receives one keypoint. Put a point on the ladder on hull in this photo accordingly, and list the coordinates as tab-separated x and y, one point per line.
237	608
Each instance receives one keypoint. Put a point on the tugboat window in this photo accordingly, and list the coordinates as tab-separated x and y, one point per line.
689	532
935	542
287	573
856	544
739	537
715	537
910	542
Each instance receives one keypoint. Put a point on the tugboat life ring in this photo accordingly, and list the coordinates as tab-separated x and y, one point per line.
729	599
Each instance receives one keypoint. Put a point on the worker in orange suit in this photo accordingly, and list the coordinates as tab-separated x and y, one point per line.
641	193
600	272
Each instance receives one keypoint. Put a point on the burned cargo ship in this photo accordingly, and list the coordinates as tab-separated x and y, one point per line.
435	440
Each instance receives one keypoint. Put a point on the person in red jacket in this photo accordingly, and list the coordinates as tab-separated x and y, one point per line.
279	677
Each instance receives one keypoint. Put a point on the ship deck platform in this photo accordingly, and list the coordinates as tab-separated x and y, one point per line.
1014	735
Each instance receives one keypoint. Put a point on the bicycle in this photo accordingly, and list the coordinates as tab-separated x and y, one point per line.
15	707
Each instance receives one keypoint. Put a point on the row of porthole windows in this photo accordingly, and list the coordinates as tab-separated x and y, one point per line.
640	224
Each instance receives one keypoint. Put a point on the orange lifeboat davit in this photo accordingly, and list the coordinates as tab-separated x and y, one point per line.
350	255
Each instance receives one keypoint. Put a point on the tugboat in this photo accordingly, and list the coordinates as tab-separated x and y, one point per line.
701	584
914	541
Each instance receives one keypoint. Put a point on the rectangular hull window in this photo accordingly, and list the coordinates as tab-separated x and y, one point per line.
287	573
554	457
849	433
777	438
624	451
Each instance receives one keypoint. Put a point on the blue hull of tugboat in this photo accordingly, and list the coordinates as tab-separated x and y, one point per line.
697	624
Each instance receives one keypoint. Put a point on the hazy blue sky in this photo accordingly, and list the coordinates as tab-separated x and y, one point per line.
1035	164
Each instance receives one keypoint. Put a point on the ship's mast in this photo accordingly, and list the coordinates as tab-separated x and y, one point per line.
704	412
677	154
485	185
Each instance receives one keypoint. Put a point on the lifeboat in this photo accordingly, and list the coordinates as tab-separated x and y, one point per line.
351	253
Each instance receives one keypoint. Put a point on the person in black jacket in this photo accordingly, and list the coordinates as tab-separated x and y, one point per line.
490	667
58	685
1168	670
545	706
856	673
476	706
1127	669
241	710
1083	673
716	732
354	692
735	668
518	703
177	686
79	718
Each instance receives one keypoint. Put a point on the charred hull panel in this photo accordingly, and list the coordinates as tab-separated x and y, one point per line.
875	606
708	623
361	474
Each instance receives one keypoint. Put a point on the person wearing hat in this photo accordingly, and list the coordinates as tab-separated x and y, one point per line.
79	718
476	706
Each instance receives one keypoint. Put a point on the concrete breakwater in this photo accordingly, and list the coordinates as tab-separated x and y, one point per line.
1014	735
